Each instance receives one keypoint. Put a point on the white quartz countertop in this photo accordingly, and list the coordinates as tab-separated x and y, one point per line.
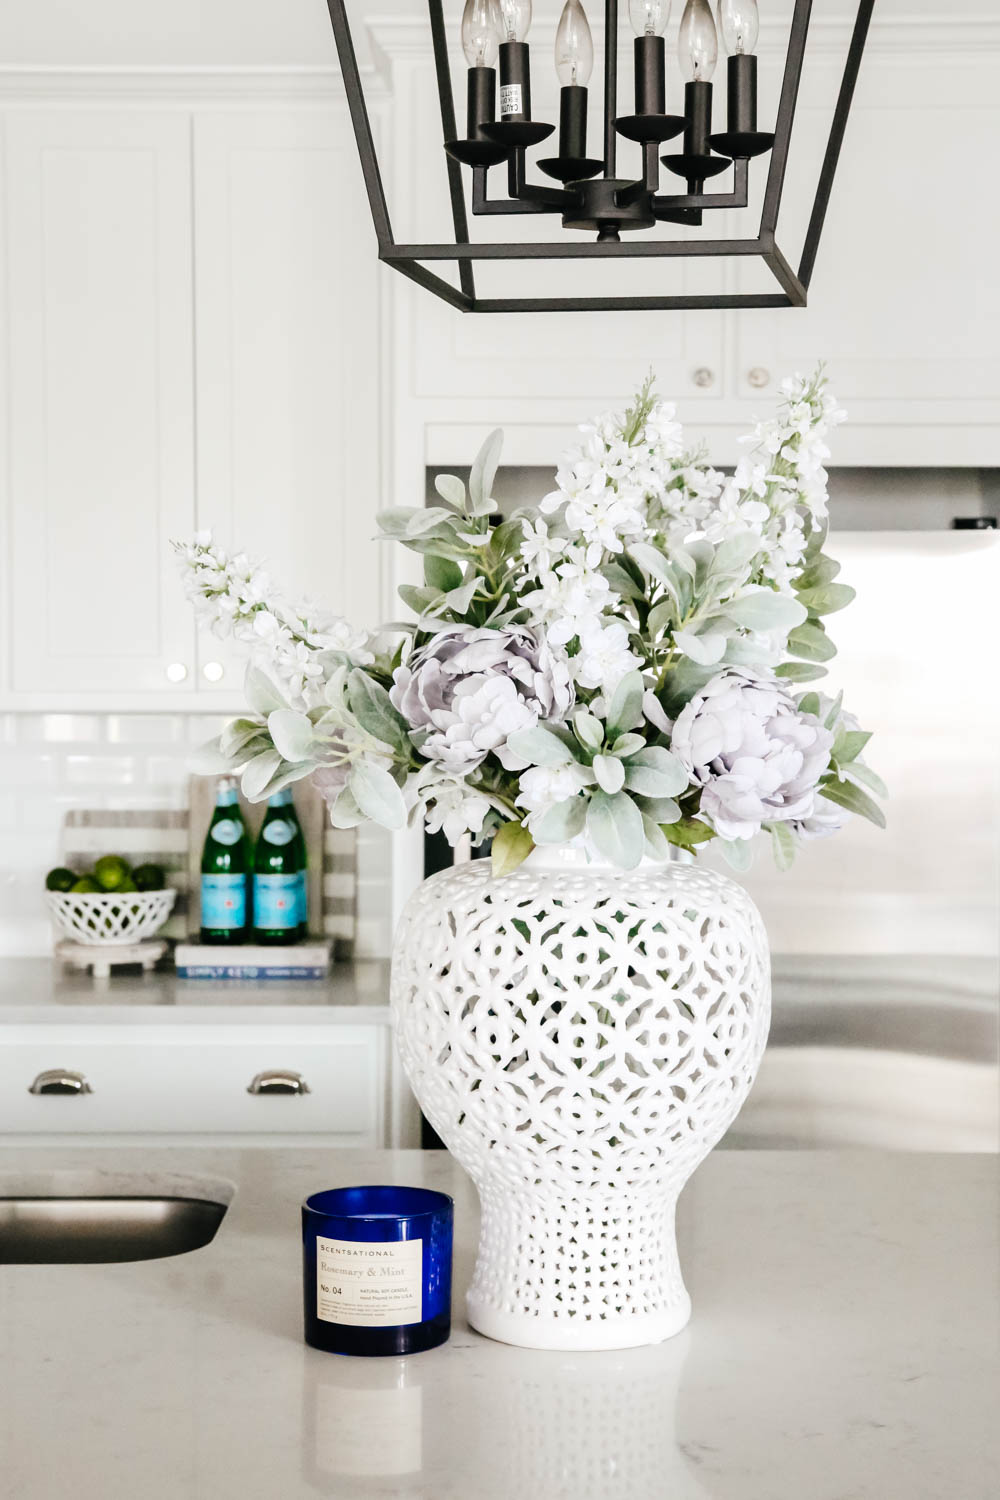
935	1005
41	991
844	1346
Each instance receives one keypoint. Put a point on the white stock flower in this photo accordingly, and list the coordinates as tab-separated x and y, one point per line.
542	787
604	657
452	807
757	758
538	549
234	597
568	598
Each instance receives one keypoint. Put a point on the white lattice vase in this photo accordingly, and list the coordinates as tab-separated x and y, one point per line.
580	1038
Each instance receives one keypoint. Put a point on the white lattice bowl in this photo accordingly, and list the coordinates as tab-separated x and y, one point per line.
580	1038
107	917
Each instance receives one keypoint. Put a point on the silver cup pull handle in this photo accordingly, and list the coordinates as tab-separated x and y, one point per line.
60	1081
278	1081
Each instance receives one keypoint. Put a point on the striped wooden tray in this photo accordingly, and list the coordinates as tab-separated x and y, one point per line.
174	839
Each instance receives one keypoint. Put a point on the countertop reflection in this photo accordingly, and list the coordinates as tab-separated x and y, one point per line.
833	1351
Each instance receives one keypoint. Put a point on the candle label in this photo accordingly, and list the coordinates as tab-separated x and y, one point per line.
510	98
369	1283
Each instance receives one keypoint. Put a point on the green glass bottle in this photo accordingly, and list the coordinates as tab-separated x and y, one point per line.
225	871
279	875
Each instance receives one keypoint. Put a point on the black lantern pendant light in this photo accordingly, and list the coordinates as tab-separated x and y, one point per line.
620	214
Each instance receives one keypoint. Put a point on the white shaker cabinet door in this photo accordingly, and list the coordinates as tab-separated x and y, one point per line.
904	305
287	355
98	225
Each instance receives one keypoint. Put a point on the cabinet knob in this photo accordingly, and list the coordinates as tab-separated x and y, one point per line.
703	377
278	1081
60	1081
213	671
758	377
176	672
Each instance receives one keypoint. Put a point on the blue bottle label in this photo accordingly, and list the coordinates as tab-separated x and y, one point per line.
278	831
276	901
223	901
227	831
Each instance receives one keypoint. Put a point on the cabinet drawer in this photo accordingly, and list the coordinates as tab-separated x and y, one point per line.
170	1080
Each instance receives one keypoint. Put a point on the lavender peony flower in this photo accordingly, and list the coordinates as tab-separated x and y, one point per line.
755	756
473	688
825	819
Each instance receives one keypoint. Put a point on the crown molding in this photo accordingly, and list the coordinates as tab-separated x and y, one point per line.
951	38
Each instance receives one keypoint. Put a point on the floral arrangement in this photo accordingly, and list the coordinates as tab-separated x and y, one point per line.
623	665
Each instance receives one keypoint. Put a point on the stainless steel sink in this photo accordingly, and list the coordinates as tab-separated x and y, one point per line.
69	1230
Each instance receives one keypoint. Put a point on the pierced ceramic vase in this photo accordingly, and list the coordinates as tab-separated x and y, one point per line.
580	1038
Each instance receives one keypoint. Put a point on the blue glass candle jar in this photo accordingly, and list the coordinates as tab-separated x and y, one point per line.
377	1269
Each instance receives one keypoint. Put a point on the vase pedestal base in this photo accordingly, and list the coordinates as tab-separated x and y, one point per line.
527	1332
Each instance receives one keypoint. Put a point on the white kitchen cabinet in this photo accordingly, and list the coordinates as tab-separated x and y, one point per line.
287	334
97	221
193	341
173	1082
905	302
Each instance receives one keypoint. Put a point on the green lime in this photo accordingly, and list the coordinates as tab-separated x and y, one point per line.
148	878
60	879
128	885
110	871
86	885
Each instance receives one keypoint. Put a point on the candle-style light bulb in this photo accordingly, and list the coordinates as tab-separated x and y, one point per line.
515	18
697	44
574	46
649	17
740	24
480	34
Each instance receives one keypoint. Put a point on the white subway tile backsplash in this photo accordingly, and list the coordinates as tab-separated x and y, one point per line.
100	770
145	729
23	771
59	729
51	763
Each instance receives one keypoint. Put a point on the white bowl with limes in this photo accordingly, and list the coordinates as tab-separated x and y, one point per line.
110	916
86	913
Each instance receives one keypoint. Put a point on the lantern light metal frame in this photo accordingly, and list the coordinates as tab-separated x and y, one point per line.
525	197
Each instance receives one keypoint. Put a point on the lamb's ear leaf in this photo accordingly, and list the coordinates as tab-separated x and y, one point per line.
451	489
867	777
614	825
561	822
441	573
258	772
799	671
345	812
827	598
539	747
511	846
374	711
782	845
847	794
291	734
625	710
484	472
260	692
764	609
377	795
737	853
